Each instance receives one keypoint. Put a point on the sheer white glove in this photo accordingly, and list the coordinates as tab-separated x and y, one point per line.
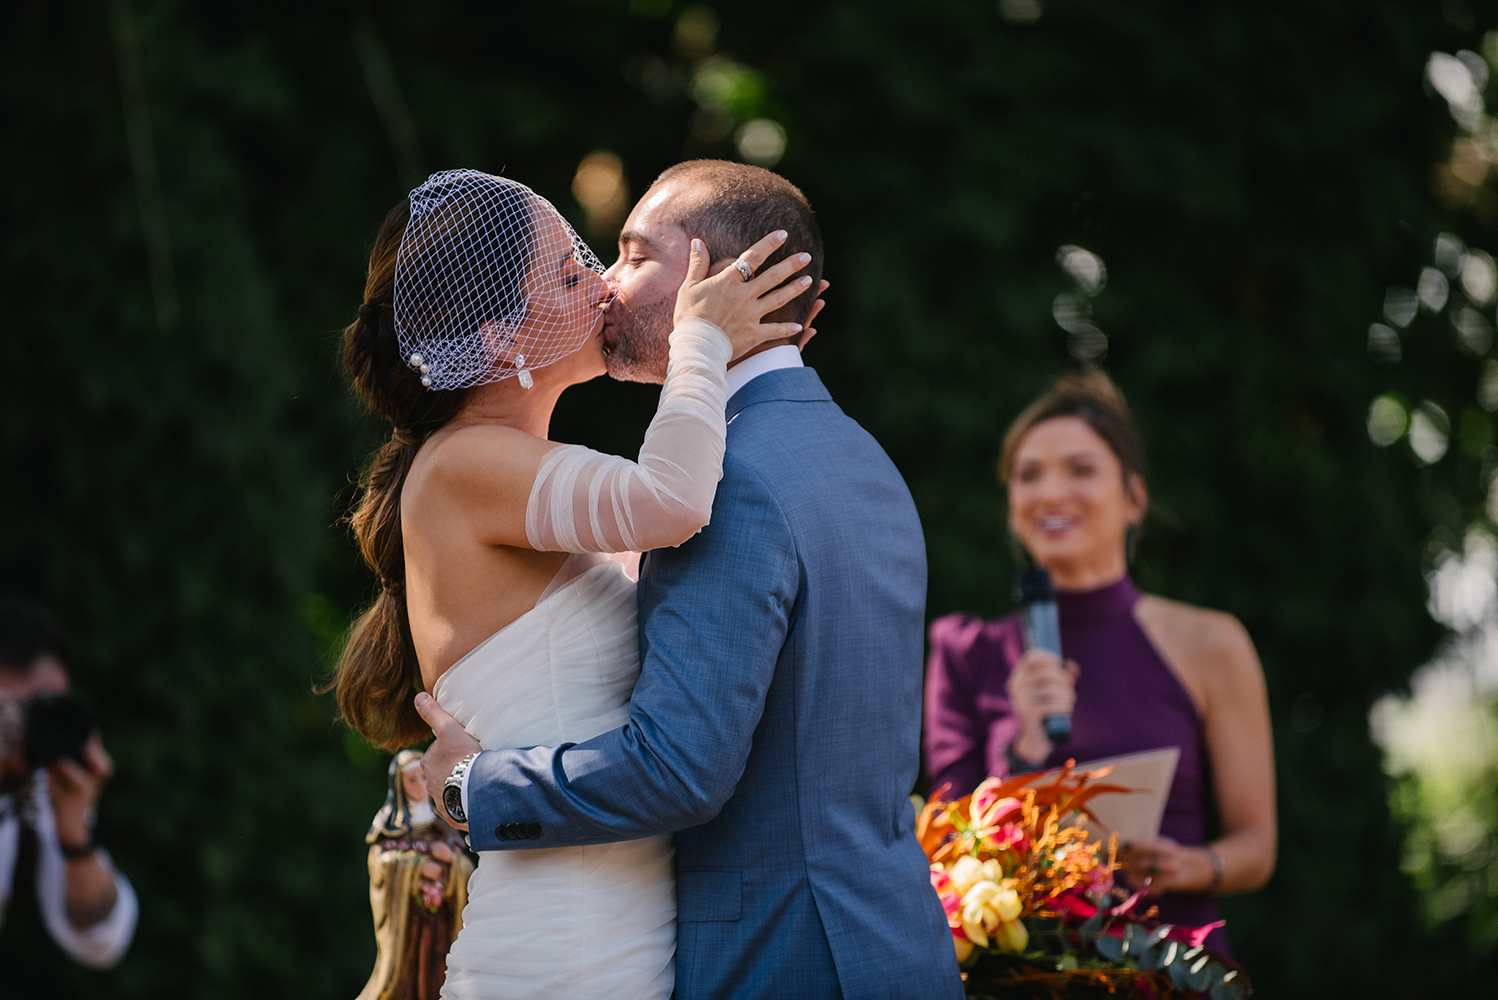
586	501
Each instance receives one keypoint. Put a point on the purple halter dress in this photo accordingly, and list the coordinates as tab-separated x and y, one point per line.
1128	700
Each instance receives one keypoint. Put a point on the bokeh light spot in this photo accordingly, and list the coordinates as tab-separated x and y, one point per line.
1400	305
1448	252
1021	11
1433	289
696	32
1473	331
1487	387
762	142
600	189
1085	268
1386	421
1479	277
1430	432
1071	311
1087	343
1383	344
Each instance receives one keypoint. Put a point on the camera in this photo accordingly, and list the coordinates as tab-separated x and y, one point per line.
43	730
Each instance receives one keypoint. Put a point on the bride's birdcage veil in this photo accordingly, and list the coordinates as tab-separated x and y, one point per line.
486	282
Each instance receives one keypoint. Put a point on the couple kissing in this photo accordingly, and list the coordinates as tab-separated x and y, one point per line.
695	784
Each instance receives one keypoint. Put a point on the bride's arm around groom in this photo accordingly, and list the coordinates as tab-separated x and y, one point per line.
775	724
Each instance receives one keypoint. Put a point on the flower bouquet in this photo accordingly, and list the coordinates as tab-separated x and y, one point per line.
1032	904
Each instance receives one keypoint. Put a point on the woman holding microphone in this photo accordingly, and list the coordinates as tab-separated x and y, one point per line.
1142	672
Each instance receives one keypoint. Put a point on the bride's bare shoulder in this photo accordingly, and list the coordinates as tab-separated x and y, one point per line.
479	450
487	463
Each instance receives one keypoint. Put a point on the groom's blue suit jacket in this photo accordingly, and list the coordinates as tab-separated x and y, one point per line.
775	724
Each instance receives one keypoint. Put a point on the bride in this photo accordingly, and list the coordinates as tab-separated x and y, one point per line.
481	306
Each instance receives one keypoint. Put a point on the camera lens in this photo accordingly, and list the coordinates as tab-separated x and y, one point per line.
56	726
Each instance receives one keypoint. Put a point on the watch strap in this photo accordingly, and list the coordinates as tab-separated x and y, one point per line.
76	852
452	789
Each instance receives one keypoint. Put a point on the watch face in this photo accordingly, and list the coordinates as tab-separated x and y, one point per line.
452	801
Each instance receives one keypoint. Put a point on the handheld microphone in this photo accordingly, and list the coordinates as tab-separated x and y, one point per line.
1043	631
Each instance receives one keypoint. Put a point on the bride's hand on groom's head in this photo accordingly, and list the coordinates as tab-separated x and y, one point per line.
737	303
816	307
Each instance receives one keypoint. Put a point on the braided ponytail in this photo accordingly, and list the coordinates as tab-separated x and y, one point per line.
378	674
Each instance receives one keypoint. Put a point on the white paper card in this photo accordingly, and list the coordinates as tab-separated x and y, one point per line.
1134	815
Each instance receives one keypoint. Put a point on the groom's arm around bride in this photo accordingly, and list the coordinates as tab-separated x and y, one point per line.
776	721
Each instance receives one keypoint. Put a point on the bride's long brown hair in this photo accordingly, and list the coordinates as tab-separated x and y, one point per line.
378	675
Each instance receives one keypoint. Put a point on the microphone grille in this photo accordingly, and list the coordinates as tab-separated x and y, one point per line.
1035	585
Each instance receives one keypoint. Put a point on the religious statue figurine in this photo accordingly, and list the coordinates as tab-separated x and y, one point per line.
418	883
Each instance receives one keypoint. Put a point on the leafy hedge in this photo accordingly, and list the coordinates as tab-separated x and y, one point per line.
1252	175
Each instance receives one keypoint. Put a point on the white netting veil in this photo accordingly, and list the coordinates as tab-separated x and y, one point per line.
490	281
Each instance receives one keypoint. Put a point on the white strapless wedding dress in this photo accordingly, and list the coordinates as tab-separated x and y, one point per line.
580	923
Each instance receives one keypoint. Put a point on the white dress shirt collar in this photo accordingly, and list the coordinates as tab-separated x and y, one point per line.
784	356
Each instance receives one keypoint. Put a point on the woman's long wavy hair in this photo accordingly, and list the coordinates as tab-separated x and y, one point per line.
378	675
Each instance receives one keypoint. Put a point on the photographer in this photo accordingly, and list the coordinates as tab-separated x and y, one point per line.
52	768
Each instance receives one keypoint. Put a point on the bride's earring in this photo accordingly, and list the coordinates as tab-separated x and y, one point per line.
523	376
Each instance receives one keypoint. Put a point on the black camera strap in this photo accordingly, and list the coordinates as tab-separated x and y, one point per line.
24	904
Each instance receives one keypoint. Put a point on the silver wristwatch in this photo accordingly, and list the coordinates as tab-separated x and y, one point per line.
452	790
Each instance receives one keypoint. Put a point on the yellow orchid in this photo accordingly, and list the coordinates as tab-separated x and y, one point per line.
1011	936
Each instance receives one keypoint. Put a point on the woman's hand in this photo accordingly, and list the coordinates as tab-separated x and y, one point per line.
816	307
75	790
736	306
1039	686
1169	866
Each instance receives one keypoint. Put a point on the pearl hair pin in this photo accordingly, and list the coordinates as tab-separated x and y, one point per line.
419	363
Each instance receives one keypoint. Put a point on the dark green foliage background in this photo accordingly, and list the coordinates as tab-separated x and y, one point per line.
1254	175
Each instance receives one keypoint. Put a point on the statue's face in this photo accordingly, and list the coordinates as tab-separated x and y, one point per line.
414	782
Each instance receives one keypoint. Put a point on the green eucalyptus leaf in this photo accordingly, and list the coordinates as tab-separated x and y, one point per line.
1197	976
1109	947
1133	939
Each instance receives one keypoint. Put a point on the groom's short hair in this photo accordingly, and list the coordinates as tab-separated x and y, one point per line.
740	205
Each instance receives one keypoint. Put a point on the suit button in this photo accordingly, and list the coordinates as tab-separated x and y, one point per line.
499	832
533	830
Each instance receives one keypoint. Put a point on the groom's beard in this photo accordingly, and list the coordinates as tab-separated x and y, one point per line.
642	345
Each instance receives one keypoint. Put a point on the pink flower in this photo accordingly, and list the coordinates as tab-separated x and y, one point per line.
952	903
951	899
1011	837
1099	881
1194	937
987	809
1127	906
1070	905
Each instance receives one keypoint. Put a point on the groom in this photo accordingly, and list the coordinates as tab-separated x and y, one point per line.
775	724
